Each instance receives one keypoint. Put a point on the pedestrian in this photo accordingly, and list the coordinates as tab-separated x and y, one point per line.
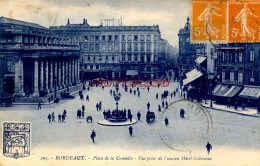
130	91
159	108
111	92
93	135
148	89
65	113
83	108
83	113
49	117
49	99
138	115
97	106
53	117
87	98
182	112
235	105
130	117
103	87
174	93
156	96
163	104
134	92
63	117
171	95
148	105
59	116
166	121
209	147
166	103
131	130
243	106
104	113
138	93
39	106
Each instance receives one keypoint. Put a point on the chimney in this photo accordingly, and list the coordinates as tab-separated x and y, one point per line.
84	21
68	23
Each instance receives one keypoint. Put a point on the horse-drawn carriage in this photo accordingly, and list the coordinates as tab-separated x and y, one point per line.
150	117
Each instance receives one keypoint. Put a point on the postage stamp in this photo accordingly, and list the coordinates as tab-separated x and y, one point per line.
209	21
16	139
244	21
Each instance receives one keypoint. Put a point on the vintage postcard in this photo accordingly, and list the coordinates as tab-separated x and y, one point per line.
129	82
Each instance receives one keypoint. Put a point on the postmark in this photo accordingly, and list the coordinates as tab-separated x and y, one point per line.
244	21
209	21
188	130
16	139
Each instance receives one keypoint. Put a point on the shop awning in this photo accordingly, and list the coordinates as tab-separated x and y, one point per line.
191	76
226	90
250	92
200	59
131	72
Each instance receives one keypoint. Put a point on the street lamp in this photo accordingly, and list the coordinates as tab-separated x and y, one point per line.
117	96
211	105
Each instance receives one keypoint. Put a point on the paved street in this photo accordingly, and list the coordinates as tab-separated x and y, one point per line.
228	130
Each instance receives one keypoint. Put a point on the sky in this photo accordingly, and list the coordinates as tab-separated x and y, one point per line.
170	15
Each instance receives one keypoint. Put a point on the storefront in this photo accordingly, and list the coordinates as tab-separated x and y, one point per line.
250	95
226	94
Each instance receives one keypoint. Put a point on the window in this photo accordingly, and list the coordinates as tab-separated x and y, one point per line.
148	37
123	37
129	37
103	37
100	57
252	56
91	47
123	57
116	37
109	47
223	75
109	37
88	58
154	46
135	37
232	76
9	66
129	46
116	47
136	57
142	37
148	47
86	38
240	76
136	47
91	38
106	57
113	57
103	47
240	57
129	57
223	56
86	46
123	46
97	47
97	38
94	57
142	46
155	37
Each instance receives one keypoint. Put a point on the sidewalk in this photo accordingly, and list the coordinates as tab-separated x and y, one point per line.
246	112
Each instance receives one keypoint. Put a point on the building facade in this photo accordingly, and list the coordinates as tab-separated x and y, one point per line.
35	61
118	51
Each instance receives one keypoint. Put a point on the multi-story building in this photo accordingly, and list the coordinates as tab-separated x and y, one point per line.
117	51
34	61
238	70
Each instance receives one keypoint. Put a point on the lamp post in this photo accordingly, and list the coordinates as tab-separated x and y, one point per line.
117	96
211	94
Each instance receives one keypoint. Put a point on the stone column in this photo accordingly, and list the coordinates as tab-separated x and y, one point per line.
47	76
51	76
73	71
60	77
22	79
17	77
78	70
36	77
63	74
69	71
41	76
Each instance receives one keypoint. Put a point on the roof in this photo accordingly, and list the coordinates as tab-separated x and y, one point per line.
191	76
4	20
200	59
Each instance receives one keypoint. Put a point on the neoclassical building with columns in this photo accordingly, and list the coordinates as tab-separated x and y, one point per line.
36	62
